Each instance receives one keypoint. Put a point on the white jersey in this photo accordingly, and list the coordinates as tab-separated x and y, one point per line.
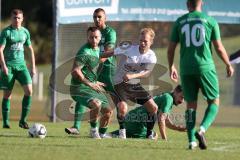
132	61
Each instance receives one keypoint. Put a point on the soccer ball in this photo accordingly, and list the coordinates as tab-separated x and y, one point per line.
37	131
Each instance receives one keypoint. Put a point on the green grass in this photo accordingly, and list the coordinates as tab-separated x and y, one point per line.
15	144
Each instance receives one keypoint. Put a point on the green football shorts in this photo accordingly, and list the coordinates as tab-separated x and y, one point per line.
85	94
19	73
207	82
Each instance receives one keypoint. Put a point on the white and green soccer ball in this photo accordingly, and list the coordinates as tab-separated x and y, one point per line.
37	131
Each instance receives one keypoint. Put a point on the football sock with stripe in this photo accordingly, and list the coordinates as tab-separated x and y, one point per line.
190	117
121	122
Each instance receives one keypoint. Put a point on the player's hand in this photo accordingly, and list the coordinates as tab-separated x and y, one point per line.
98	86
33	71
173	74
182	128
229	70
127	77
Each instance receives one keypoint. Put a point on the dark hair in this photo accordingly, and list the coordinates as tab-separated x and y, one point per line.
178	88
16	11
99	10
193	2
92	29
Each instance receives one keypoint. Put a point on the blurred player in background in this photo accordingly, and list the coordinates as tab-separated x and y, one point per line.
195	31
136	125
106	70
85	89
12	41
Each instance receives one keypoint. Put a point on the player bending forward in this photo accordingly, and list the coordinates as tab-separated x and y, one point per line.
136	126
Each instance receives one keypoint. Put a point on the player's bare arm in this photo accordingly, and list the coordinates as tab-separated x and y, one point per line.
108	52
129	76
33	66
162	125
224	56
77	73
172	70
172	126
2	60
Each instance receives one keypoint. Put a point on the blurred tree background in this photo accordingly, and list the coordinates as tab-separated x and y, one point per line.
38	20
38	16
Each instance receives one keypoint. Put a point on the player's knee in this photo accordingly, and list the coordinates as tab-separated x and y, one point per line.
122	108
108	114
95	103
28	93
215	101
7	94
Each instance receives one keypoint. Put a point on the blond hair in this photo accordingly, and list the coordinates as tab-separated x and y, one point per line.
149	31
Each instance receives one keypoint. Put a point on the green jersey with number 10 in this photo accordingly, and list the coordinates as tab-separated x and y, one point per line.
195	31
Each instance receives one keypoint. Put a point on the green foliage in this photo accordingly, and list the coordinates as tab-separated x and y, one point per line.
38	20
15	144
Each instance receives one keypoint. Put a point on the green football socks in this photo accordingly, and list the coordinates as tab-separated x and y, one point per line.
5	111
79	113
26	105
209	116
190	117
103	130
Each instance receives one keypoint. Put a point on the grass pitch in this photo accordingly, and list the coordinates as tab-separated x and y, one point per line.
223	142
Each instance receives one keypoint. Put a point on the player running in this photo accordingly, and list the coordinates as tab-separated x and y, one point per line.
195	31
136	126
85	89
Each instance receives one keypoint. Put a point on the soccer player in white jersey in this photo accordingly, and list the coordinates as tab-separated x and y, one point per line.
136	62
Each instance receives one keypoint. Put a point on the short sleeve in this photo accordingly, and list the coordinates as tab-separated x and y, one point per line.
3	38
164	102
81	58
216	31
119	51
111	39
28	40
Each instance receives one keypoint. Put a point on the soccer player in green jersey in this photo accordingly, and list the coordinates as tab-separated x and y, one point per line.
86	90
107	68
108	41
196	32
12	41
136	126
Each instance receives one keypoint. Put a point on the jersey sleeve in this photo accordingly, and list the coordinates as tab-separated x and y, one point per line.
81	58
120	51
28	40
216	31
3	38
164	103
111	39
174	33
